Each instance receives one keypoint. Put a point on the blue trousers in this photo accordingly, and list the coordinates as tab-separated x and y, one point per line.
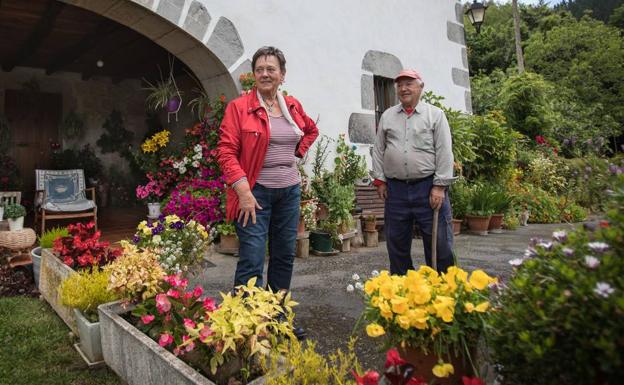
277	223
406	205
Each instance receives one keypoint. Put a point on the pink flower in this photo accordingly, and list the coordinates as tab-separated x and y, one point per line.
173	280
184	283
205	333
188	295
173	293
162	303
165	339
190	346
209	304
188	323
198	291
176	351
147	318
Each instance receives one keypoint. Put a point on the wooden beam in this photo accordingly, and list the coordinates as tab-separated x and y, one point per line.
37	36
86	44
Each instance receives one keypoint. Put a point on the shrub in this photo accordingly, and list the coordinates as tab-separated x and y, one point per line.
559	319
46	241
480	200
137	274
14	211
87	290
589	179
83	248
459	195
547	174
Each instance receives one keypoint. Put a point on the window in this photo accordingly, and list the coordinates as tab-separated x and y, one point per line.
385	96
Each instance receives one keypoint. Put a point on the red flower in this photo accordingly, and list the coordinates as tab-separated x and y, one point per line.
472	381
393	359
371	377
604	224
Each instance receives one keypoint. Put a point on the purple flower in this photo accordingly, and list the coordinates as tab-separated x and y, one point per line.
568	252
598	247
566	142
560	236
613	169
136	239
591	261
530	252
534	241
158	229
545	245
603	289
177	225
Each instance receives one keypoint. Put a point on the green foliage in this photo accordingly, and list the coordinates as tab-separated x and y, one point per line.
46	241
485	91
115	137
339	199
480	201
348	166
30	328
459	195
560	315
85	159
72	126
14	211
585	57
525	104
599	9
617	17
226	228
86	290
320	156
309	367
588	179
495	148
159	93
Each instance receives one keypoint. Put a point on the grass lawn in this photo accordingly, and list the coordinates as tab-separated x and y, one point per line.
35	348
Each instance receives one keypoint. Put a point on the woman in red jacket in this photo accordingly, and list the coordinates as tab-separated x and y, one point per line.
262	135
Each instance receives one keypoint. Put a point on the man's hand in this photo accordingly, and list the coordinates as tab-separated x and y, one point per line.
247	203
382	191
436	197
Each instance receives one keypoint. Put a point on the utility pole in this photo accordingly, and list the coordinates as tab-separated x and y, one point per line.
516	19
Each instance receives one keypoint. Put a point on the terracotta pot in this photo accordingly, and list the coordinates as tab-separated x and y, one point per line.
457	226
424	363
370	225
301	226
228	243
496	224
478	224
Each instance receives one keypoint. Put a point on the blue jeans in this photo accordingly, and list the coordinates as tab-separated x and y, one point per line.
277	223
406	205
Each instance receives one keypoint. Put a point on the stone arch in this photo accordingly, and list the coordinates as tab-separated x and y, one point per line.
362	124
209	57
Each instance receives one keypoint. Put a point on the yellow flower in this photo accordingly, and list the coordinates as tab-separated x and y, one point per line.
148	146
399	305
147	231
479	279
482	307
420	294
469	306
375	301
387	290
444	307
169	219
142	225
443	370
370	286
418	318
204	234
403	322
375	330
384	309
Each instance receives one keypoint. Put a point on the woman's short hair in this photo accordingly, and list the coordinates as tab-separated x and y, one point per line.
269	51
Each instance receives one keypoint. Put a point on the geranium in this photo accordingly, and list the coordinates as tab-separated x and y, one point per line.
424	310
151	191
83	248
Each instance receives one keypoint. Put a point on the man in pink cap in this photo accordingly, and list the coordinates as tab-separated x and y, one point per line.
413	167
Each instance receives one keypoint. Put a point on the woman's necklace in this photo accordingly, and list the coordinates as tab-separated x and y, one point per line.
269	105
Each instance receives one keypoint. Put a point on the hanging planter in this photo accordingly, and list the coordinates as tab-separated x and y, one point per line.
164	94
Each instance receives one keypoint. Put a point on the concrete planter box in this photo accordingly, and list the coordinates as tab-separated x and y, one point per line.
90	340
139	360
53	272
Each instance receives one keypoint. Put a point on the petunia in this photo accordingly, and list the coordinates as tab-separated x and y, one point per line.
482	307
479	279
189	323
359	286
393	358
355	277
598	247
198	291
472	381
560	236
209	304
568	252
591	261
603	289
374	273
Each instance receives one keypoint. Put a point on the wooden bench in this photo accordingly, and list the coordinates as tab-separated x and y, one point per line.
366	198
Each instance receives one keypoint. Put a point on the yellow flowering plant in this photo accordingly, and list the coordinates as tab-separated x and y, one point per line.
137	274
439	313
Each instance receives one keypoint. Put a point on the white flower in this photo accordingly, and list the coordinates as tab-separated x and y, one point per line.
359	286
598	247
529	252
560	236
568	252
350	288
195	164
591	261
340	237
374	273
198	148
603	289
355	277
545	245
516	262
185	160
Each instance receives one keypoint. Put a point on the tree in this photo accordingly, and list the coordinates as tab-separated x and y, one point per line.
617	17
599	9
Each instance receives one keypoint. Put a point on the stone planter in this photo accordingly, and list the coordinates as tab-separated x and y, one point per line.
35	255
90	340
139	360
496	224
228	244
16	224
478	224
53	272
457	226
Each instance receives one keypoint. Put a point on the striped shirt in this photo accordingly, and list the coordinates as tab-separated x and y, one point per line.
280	166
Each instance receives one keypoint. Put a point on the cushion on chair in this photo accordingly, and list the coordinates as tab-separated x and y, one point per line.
61	186
78	205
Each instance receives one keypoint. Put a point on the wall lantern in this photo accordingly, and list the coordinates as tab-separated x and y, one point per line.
476	14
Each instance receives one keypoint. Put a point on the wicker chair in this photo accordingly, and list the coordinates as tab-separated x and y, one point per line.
61	195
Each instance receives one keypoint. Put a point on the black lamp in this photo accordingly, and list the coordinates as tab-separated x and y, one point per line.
476	14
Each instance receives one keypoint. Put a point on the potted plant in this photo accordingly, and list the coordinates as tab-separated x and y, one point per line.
84	292
478	211
228	240
322	238
151	192
435	321
570	287
15	213
163	94
499	203
370	222
307	216
1	211
459	196
178	244
46	241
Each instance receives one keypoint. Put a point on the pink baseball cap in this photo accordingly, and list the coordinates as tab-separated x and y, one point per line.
407	73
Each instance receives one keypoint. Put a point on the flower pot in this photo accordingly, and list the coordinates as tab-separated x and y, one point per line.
370	225
139	360
16	224
35	255
228	244
173	105
90	340
1	213
322	211
301	226
478	224
424	363
321	241
457	226
53	272
153	209
496	224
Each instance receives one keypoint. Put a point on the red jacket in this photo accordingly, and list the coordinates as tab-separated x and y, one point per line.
245	139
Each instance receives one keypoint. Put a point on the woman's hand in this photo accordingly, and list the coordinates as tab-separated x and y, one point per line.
247	204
